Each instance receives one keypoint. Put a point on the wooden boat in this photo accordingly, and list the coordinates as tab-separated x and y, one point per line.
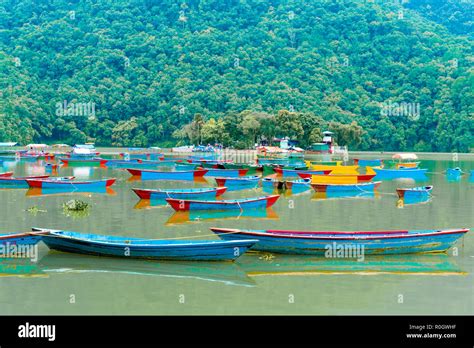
191	193
368	162
146	174
6	175
86	162
70	184
338	179
238	204
26	238
360	187
298	184
240	182
414	191
294	173
230	173
128	247
372	242
18	182
408	173
405	160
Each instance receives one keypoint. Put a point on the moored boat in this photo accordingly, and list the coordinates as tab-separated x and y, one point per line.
85	162
368	162
70	184
6	174
191	193
454	171
239	182
272	182
24	238
238	204
128	247
365	242
298	184
186	175
294	173
414	191
18	182
226	172
338	179
360	187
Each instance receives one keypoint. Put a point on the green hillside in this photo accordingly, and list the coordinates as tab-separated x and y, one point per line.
382	75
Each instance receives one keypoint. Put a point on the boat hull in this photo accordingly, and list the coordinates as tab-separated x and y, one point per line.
162	175
389	174
90	244
362	187
319	244
210	193
238	204
71	185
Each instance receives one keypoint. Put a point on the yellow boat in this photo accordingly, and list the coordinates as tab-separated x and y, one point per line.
336	170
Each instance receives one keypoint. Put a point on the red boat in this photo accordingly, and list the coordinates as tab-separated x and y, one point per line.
162	175
6	174
234	204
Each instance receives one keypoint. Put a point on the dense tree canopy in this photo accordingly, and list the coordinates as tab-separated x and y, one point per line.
390	75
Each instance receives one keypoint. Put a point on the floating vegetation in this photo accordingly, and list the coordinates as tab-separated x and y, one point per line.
35	210
76	208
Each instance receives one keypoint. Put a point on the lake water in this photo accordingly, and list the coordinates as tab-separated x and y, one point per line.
60	283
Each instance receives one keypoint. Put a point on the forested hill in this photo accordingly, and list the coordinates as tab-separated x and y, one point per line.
383	75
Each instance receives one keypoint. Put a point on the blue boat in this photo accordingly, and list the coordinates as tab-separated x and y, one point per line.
454	172
18	182
421	191
128	247
355	242
64	183
240	183
185	175
360	187
272	183
299	184
280	161
236	204
26	238
368	162
344	195
296	172
190	193
230	173
405	173
116	163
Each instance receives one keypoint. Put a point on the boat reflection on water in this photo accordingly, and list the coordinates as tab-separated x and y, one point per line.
355	194
412	200
20	267
64	263
37	191
261	264
150	203
196	216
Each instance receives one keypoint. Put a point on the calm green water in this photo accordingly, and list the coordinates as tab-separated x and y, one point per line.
255	284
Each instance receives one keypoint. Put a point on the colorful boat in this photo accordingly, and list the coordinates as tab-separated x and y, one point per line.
84	162
327	163
337	170
128	247
365	242
294	173
298	184
117	163
242	182
6	175
281	161
238	204
73	185
361	187
142	155
408	173
414	191
368	162
338	179
331	195
191	193
18	182
230	173
407	165
186	175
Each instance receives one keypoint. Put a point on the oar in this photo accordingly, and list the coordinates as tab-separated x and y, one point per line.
24	234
